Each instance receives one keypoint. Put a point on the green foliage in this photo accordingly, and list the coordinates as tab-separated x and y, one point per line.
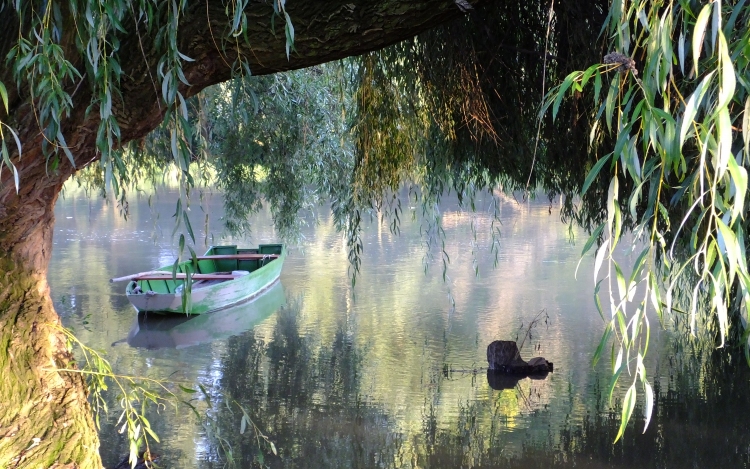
447	111
137	395
60	47
453	111
280	139
680	129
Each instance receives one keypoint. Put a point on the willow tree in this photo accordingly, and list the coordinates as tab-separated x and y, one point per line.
673	95
456	110
652	140
83	78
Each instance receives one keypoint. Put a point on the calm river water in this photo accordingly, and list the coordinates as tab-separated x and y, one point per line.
380	375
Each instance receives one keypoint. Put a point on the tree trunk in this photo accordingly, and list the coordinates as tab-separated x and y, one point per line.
45	419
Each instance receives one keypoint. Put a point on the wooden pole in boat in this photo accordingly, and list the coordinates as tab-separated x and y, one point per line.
140	274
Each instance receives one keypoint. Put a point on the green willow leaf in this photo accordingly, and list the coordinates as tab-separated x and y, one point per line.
592	239
185	57
16	180
4	96
614	379
606	335
639	263
588	73
627	410
621	287
64	146
597	300
648	408
728	81
593	173
289	30
622	325
188	226
152	434
181	245
617	362
739	179
681	52
728	241
600	255
720	306
205	393
691	107
566	84
699	33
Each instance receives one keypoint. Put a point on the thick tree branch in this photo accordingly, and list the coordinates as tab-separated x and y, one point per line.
324	31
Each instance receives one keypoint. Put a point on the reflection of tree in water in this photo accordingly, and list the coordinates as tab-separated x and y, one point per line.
700	422
306	397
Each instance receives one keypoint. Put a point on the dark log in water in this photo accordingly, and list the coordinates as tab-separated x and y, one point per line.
503	356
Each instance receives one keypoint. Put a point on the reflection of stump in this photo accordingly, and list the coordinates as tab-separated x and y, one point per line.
503	356
141	462
500	381
540	365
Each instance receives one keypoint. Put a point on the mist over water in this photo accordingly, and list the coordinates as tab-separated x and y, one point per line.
389	373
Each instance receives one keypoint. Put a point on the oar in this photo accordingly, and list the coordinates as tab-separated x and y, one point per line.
140	274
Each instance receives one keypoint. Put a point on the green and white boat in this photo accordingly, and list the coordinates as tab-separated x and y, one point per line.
225	276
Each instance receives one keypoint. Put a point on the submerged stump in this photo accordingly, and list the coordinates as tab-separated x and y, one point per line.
503	356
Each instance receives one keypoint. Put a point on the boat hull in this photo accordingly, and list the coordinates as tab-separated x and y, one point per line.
205	296
179	331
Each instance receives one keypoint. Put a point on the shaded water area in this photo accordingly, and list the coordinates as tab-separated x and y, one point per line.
388	374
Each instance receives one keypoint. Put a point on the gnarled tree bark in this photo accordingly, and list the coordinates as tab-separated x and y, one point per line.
45	419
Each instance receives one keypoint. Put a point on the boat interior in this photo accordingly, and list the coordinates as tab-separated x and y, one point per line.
219	264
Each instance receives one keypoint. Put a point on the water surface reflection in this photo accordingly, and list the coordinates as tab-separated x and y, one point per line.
381	376
154	331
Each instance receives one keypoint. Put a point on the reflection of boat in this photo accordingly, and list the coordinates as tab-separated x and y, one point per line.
223	277
159	331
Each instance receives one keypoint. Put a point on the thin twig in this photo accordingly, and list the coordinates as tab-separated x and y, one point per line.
544	84
143	53
532	325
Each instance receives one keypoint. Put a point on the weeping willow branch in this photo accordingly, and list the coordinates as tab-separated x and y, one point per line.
681	147
136	395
